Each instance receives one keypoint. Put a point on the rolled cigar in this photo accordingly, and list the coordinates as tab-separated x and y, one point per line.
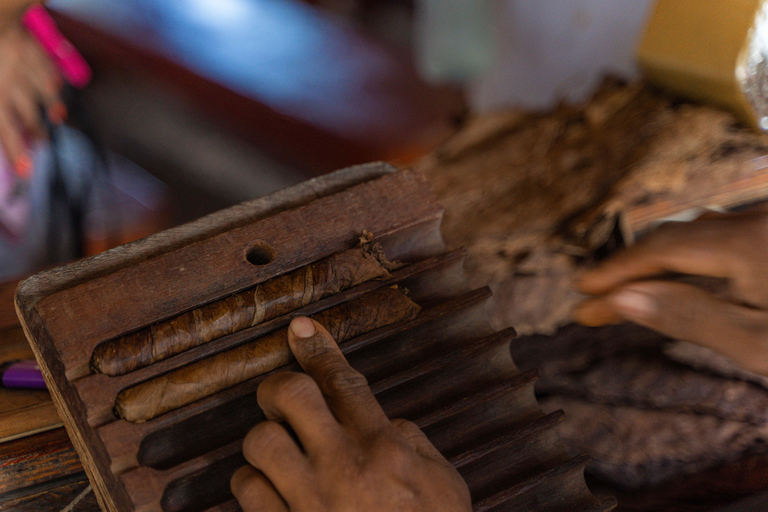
270	299
196	381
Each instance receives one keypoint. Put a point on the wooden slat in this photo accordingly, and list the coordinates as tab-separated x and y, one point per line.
515	435
23	412
550	475
482	396
28	464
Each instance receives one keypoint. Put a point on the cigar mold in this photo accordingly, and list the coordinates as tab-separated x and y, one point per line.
446	369
260	253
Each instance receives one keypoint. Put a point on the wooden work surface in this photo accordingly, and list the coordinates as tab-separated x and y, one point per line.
22	412
39	468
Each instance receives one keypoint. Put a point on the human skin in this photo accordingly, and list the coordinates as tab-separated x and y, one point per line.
11	11
631	286
351	457
28	80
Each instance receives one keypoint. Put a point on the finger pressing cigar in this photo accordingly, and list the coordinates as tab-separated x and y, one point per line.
268	300
229	368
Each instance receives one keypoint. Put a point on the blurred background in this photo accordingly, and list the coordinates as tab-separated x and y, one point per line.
196	105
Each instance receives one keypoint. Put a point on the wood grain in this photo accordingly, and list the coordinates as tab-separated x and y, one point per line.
70	495
23	412
275	297
163	286
27	465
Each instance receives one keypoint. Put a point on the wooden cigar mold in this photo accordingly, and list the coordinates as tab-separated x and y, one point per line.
440	364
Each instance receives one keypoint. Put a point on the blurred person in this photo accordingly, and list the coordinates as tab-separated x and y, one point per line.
47	170
29	86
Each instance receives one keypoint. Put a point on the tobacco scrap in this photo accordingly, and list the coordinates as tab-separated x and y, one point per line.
532	195
226	369
270	299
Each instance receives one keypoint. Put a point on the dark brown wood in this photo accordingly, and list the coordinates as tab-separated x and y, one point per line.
161	287
29	464
224	370
275	297
23	412
535	427
7	316
72	494
100	390
444	368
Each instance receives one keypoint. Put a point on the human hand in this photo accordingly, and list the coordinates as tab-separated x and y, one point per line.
28	80
630	286
351	457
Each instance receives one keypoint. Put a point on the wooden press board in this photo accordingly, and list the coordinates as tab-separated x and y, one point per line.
447	369
23	412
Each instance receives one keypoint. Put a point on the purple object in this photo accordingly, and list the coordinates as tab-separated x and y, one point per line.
22	374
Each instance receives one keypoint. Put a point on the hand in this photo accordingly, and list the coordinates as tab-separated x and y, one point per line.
28	80
630	286
351	457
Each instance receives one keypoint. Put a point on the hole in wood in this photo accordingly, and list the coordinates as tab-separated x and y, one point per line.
259	254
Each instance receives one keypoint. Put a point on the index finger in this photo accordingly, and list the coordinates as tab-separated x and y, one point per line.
701	247
346	391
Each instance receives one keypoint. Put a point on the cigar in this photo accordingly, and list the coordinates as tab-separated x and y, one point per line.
201	379
270	299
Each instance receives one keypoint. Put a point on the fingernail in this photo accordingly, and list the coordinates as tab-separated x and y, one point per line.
23	167
634	304
302	327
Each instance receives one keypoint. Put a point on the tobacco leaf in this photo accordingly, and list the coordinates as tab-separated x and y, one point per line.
635	448
273	298
652	381
249	360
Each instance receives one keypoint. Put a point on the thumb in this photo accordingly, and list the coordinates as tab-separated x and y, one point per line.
688	313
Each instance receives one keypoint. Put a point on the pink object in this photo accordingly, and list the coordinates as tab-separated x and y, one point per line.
66	57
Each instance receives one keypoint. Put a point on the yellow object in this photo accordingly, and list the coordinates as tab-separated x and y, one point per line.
711	50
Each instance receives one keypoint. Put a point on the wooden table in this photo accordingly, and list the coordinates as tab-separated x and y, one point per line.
38	471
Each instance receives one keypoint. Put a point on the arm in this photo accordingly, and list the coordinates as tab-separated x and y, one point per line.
349	456
631	286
